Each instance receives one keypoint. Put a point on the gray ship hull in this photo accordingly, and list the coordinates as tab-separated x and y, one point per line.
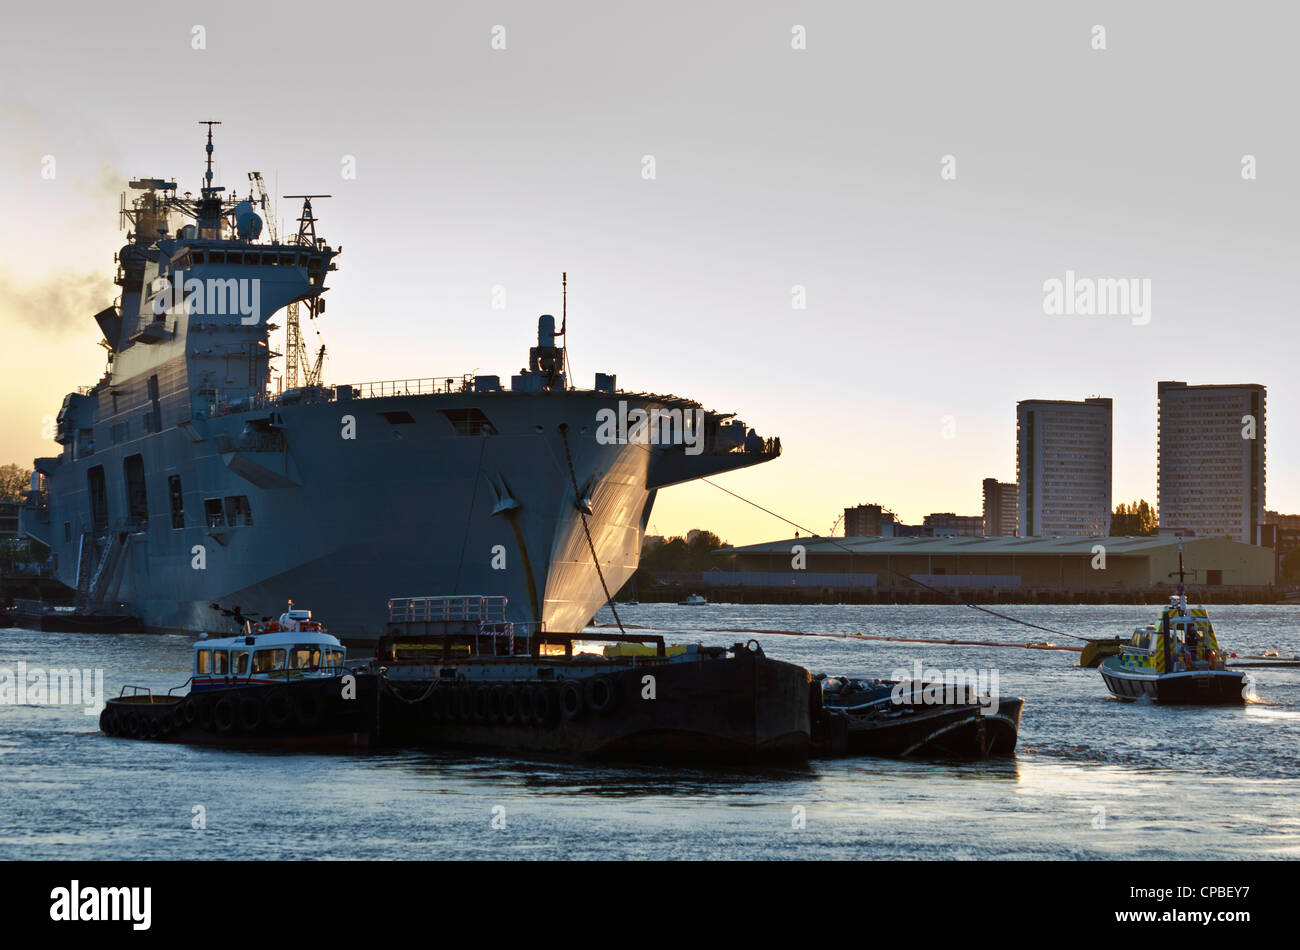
406	506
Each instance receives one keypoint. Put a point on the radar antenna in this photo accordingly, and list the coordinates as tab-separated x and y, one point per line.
207	175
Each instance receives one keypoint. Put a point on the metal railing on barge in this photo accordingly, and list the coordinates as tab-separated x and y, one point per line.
491	634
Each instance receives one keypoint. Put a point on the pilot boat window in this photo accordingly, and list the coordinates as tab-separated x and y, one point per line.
335	657
220	663
304	658
203	663
265	661
240	664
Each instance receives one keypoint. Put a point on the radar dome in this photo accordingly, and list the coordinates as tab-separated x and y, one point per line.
248	224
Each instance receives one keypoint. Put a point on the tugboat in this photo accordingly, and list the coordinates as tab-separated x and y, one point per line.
278	682
913	720
1177	661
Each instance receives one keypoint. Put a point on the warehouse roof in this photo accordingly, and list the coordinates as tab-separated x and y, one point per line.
989	546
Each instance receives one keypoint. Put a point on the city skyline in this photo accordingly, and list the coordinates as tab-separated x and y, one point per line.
777	173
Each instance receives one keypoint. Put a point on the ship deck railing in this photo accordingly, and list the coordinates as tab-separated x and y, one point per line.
471	607
434	385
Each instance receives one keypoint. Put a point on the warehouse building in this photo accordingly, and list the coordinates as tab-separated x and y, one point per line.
1060	564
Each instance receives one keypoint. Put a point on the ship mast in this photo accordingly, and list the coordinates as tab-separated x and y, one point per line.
564	322
208	214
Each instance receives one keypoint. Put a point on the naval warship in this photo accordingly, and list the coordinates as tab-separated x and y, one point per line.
192	476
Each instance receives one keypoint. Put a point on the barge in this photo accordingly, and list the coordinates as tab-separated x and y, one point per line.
452	671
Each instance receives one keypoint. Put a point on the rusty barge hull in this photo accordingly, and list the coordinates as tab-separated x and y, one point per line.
739	708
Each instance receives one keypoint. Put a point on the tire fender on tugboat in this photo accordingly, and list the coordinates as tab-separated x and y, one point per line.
545	706
572	703
308	707
223	714
277	709
601	694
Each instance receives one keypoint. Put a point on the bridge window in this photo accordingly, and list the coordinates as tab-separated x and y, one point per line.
220	663
95	485
239	514
176	498
212	512
468	421
240	662
137	499
203	663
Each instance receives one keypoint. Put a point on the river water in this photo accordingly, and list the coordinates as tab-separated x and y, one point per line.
1092	777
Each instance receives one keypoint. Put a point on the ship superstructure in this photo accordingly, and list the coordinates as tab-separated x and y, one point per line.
186	479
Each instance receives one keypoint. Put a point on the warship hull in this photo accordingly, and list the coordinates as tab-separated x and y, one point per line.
358	501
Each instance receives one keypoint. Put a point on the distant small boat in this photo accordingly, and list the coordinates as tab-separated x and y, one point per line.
695	600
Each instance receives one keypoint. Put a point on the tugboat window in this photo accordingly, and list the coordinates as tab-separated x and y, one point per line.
240	663
267	661
305	658
203	666
220	663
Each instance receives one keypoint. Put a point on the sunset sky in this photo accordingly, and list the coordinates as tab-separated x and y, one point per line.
774	168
